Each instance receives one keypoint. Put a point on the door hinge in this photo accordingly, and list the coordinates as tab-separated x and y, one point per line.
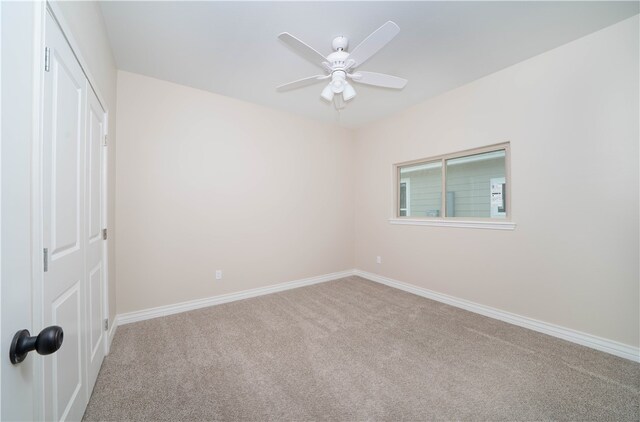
45	254
47	59
104	234
106	324
104	141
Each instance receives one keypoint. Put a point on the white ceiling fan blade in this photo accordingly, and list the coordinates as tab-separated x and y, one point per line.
303	49
378	79
374	42
301	82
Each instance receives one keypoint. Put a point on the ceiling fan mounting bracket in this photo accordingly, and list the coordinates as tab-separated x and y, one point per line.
340	43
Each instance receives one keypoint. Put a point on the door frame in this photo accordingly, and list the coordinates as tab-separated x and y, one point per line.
37	281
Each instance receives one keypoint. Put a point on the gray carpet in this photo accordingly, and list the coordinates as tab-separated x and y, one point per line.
351	350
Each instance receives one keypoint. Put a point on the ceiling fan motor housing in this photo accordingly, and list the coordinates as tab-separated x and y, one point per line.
338	59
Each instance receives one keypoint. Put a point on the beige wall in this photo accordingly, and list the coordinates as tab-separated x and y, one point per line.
571	116
89	31
206	182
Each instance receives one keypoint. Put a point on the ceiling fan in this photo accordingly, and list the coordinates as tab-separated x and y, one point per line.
340	65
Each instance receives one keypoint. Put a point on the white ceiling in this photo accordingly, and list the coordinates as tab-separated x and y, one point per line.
231	48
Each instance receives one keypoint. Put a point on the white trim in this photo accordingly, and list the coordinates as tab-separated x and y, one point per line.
160	311
578	337
584	339
104	170
470	224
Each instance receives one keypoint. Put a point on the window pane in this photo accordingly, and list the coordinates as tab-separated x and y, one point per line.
476	185
423	189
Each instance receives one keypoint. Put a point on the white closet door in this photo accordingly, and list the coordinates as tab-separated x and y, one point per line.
64	226
94	224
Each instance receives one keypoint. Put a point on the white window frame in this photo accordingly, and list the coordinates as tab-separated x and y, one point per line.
460	222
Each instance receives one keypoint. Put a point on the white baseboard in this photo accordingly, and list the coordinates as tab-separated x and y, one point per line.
584	339
160	311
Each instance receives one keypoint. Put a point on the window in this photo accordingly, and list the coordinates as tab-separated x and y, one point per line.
469	185
425	179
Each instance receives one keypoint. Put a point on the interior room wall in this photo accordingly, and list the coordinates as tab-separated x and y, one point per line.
89	31
571	115
206	182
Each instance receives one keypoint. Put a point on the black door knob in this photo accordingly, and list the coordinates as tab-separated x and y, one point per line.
48	341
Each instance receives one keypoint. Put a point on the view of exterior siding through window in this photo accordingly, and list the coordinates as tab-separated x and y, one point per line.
469	185
422	189
475	187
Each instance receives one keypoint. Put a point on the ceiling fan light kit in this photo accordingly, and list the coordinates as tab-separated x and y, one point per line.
340	65
349	92
327	93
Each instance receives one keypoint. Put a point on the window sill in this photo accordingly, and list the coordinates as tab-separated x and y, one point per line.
490	225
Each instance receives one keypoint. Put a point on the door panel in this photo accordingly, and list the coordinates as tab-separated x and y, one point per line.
95	243
95	312
64	172
64	288
67	367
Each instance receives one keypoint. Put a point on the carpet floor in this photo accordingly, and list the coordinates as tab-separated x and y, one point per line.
351	350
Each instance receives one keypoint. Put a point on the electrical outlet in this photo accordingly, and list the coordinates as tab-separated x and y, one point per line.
218	274
379	259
